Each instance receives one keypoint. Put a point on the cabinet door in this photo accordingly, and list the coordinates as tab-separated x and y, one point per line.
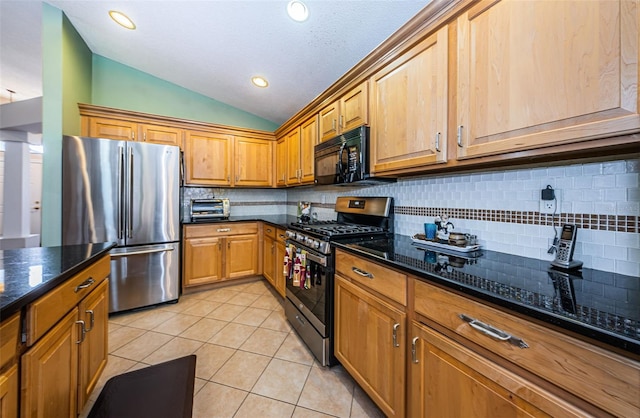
112	129
538	73
293	156
242	256
308	140
370	344
328	121
281	162
449	380
269	263
202	261
9	393
280	283
50	372
409	108
94	311
354	108
164	135
208	158
254	162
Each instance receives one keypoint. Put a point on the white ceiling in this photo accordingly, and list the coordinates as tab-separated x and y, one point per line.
214	47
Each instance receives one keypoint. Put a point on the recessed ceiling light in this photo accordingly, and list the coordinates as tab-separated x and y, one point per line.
259	82
122	19
297	10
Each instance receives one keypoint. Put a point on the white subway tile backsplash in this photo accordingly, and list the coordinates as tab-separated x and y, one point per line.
614	167
629	180
604	181
627	267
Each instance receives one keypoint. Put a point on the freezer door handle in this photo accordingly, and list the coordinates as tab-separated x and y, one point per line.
146	251
130	208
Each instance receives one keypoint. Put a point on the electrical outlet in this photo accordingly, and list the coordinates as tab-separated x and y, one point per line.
548	207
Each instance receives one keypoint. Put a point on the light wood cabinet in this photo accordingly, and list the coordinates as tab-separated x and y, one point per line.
110	128
66	356
94	312
348	112
409	99
281	162
208	158
221	251
50	372
9	393
163	135
300	143
253	162
536	74
273	257
292	140
370	343
449	380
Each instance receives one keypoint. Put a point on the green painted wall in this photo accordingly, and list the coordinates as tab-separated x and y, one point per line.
66	80
119	86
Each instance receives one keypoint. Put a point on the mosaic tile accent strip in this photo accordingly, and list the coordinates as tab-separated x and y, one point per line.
617	223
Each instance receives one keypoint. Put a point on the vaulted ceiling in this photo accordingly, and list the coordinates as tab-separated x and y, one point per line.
214	47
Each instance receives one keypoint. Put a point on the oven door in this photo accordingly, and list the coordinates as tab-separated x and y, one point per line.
311	300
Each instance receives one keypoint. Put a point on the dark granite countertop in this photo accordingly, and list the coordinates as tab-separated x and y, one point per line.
281	221
599	305
28	273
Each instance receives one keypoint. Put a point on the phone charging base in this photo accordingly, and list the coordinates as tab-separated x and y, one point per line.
571	265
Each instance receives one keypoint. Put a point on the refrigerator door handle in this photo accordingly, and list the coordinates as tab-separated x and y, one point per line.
130	208
120	193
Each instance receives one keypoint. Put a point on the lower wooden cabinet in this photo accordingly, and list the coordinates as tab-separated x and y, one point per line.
449	380
61	368
370	343
219	251
9	392
273	251
280	283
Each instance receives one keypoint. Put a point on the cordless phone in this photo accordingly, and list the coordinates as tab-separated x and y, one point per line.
564	256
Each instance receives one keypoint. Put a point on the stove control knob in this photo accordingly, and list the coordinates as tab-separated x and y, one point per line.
316	244
290	234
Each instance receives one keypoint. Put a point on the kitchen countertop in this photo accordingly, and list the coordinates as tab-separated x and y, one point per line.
281	221
599	305
28	273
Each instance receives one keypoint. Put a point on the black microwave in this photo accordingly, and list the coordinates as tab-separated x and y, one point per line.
343	159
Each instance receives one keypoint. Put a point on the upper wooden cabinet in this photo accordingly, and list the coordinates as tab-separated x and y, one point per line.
163	135
348	112
409	108
541	73
110	128
292	140
208	158
300	143
281	162
253	162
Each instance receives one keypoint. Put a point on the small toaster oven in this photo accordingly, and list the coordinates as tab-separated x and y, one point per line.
203	210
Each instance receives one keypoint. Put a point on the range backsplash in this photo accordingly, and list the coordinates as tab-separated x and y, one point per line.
500	207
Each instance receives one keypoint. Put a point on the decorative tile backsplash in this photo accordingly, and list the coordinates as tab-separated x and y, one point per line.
500	207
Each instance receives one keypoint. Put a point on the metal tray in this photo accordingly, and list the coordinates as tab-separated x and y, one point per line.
434	244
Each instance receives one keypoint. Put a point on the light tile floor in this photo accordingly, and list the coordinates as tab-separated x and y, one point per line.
250	363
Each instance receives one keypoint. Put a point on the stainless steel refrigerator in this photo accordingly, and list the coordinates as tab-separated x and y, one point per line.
129	193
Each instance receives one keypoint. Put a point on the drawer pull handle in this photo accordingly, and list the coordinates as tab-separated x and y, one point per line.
224	229
414	357
493	332
395	335
84	285
460	136
362	273
82	332
91	320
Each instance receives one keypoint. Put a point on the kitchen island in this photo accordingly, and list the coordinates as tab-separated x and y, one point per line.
53	328
514	332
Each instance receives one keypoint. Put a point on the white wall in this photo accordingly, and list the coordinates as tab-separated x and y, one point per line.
609	190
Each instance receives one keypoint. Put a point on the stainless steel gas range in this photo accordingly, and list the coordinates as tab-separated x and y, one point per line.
309	266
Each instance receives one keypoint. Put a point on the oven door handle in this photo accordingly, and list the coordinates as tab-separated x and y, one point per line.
320	260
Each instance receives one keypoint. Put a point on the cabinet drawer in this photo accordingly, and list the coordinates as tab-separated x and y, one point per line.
603	378
387	282
281	235
9	339
270	231
220	229
50	308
